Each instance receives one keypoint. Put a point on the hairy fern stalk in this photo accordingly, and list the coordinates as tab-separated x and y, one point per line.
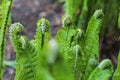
4	11
72	55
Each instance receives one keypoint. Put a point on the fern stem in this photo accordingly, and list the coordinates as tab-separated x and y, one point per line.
4	12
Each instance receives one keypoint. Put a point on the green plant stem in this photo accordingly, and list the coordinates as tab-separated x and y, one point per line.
4	12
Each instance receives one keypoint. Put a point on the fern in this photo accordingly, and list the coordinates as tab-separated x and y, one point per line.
103	71
30	59
70	40
91	47
25	57
116	75
73	55
42	33
73	8
92	34
119	19
4	11
81	11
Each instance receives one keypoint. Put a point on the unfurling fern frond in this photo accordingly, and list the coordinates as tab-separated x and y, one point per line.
91	47
67	39
30	59
73	57
25	54
92	34
43	34
103	71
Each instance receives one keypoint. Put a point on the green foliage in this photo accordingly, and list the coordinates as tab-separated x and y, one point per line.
67	39
119	19
81	11
4	11
103	71
73	9
79	50
116	75
30	61
92	33
73	55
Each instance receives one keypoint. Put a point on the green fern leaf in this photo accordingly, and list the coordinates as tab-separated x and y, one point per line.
116	75
4	11
103	71
68	40
92	34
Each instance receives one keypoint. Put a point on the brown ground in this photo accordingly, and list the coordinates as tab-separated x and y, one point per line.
28	12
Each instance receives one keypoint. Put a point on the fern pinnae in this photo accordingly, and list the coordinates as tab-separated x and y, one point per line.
92	34
91	46
67	39
103	71
91	65
4	11
41	41
73	8
116	75
25	56
43	34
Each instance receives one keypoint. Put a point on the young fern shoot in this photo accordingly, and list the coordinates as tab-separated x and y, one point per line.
25	54
103	71
67	39
91	46
31	61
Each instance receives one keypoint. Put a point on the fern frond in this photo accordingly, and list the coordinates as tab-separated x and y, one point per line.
43	34
68	40
92	35
91	65
103	71
30	57
119	19
73	8
25	54
91	46
116	75
4	11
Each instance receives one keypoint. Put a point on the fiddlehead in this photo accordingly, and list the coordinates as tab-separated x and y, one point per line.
14	32
91	65
103	71
73	9
31	61
42	33
67	39
42	38
25	54
91	46
67	21
92	37
65	36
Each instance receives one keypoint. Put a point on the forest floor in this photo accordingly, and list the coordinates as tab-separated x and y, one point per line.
28	12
